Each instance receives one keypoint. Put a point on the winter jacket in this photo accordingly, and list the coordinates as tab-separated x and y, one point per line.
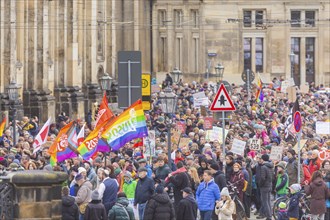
327	181
292	171
319	193
70	209
293	210
84	193
282	215
313	166
282	184
187	209
95	210
92	177
144	190
159	207
117	212
225	209
266	175
220	179
206	195
229	170
307	175
237	179
129	189
179	181
162	172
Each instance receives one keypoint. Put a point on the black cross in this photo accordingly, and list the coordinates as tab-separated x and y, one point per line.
222	100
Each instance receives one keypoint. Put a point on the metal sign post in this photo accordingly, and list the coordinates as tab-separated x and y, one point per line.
299	167
223	133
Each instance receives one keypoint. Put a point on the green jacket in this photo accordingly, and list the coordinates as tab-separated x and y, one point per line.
117	212
129	189
282	184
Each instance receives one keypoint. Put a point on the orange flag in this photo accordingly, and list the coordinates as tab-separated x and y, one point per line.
2	126
104	113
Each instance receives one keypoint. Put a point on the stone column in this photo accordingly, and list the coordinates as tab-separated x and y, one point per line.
33	194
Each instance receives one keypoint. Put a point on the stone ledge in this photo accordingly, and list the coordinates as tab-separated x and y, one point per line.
35	178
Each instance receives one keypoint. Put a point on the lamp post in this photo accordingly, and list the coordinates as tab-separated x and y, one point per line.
176	73
12	90
219	70
292	63
168	104
105	82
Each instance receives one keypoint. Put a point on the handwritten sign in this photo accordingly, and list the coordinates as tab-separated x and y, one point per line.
215	134
181	126
302	144
208	123
276	153
184	142
150	142
238	147
176	137
322	127
254	144
201	102
284	85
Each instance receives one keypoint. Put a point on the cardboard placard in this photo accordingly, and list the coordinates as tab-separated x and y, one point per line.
238	147
181	126
284	85
150	143
292	94
215	134
175	138
304	89
302	144
184	142
255	144
276	153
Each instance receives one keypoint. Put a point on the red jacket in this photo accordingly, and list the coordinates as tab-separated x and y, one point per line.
307	175
313	166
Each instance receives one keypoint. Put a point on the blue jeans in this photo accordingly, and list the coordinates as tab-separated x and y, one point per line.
206	215
141	208
81	216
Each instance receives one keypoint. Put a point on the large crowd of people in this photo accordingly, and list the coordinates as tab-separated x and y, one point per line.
199	180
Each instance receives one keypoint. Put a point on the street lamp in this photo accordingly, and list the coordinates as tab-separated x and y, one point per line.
292	63
176	74
168	101
219	70
12	90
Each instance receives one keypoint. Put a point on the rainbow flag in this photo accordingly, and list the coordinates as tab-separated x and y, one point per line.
93	143
129	125
260	94
59	150
2	126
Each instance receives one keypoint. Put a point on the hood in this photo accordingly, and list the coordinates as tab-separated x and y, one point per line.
123	201
269	165
219	172
318	181
88	184
191	198
68	200
161	198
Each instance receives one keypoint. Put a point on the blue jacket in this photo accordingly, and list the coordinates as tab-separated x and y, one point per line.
207	194
328	200
144	190
282	215
293	210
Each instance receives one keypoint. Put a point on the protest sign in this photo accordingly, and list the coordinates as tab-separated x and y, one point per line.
322	127
181	126
215	134
254	144
208	123
284	85
304	89
238	147
150	142
175	138
199	95
201	102
324	155
302	144
184	142
292	93
276	153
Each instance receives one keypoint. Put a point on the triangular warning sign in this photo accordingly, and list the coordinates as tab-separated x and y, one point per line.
222	101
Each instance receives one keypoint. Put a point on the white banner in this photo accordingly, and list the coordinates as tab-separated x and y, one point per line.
238	147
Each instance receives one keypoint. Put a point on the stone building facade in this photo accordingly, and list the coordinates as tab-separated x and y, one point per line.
57	49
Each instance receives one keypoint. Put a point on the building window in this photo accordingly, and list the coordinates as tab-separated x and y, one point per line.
163	54
178	60
195	18
295	18
310	18
247	53
295	65
162	18
178	18
247	18
259	18
196	53
259	54
310	59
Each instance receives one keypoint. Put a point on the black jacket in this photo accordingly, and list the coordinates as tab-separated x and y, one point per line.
179	181
159	207
95	210
220	179
266	175
229	171
187	209
69	208
144	190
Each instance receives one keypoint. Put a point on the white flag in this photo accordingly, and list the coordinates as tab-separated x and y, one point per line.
41	137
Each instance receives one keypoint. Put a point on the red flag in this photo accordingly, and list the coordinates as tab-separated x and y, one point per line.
138	142
41	137
104	113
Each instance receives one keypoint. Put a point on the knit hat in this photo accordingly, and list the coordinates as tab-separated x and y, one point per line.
265	157
282	205
215	166
95	195
224	192
143	169
13	150
81	169
128	174
295	188
187	190
98	160
78	177
142	161
281	164
291	151
159	188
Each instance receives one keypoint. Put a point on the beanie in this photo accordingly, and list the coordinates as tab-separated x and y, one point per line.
265	157
95	195
224	192
282	205
215	166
